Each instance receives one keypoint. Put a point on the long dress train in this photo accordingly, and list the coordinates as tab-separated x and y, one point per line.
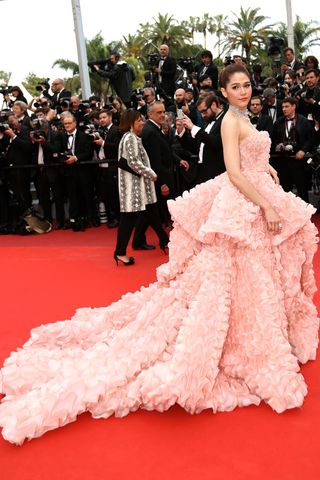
225	325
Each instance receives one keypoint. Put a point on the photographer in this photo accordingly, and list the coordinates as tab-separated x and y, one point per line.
310	98
46	178
207	67
17	148
59	92
121	75
148	99
166	71
181	106
75	148
107	149
44	104
292	137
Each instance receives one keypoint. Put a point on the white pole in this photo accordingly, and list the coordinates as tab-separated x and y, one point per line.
81	47
290	25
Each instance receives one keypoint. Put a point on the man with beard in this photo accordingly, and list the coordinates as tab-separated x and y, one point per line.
210	163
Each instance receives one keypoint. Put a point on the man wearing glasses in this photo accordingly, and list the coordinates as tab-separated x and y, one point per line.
59	92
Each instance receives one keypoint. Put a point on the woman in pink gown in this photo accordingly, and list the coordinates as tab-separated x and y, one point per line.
226	324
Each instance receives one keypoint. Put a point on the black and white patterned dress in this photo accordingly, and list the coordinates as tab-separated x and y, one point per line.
135	192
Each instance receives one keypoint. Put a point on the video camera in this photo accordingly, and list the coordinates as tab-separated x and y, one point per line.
5	89
92	131
43	86
186	63
153	59
103	64
274	49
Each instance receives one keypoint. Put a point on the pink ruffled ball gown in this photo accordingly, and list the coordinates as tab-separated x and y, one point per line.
225	325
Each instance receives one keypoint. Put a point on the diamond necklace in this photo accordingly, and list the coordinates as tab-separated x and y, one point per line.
240	113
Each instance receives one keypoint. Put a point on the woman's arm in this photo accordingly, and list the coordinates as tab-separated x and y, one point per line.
230	132
134	161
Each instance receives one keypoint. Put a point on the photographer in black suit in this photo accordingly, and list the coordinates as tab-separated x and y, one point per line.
121	75
75	147
166	71
107	149
17	148
207	67
59	92
257	118
292	138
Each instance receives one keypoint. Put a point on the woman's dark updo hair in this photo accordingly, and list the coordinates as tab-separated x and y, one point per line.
228	71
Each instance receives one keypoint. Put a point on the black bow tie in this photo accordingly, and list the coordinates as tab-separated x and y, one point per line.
273	107
70	134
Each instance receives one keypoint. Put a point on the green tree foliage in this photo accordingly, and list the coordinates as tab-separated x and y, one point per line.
306	35
30	83
4	77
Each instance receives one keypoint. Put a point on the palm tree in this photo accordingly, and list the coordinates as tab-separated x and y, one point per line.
165	29
247	32
204	25
191	24
306	35
220	22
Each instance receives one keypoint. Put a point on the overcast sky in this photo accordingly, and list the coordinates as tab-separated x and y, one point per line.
34	33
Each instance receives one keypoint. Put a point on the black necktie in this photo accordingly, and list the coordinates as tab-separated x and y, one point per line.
273	107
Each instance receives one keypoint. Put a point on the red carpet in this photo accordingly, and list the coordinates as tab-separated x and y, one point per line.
44	279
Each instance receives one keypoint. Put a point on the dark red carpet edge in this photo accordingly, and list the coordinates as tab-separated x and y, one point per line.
44	279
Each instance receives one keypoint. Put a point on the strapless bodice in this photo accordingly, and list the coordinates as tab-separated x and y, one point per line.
254	152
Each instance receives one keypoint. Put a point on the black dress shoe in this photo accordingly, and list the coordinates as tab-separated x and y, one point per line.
113	224
144	246
59	226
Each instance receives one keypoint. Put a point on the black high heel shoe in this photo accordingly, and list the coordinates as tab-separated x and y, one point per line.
165	248
129	262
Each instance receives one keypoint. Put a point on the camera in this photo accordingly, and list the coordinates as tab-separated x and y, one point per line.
38	126
102	63
187	63
314	159
137	95
153	59
296	90
228	60
4	127
63	156
274	50
42	86
286	147
5	89
92	131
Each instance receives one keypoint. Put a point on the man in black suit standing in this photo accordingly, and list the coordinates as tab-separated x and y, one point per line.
207	67
161	162
77	148
17	147
166	71
211	162
107	149
293	137
59	92
257	118
272	106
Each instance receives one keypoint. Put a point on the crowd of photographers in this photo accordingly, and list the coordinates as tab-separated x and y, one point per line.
67	148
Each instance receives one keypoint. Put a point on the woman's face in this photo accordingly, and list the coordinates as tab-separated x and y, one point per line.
288	80
238	91
138	126
116	104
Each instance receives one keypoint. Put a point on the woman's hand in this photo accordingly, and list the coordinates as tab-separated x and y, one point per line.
274	175
273	220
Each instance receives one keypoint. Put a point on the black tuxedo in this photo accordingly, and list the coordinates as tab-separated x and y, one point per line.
263	123
19	152
57	97
49	178
161	161
77	179
168	73
108	175
291	171
211	70
274	113
212	158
